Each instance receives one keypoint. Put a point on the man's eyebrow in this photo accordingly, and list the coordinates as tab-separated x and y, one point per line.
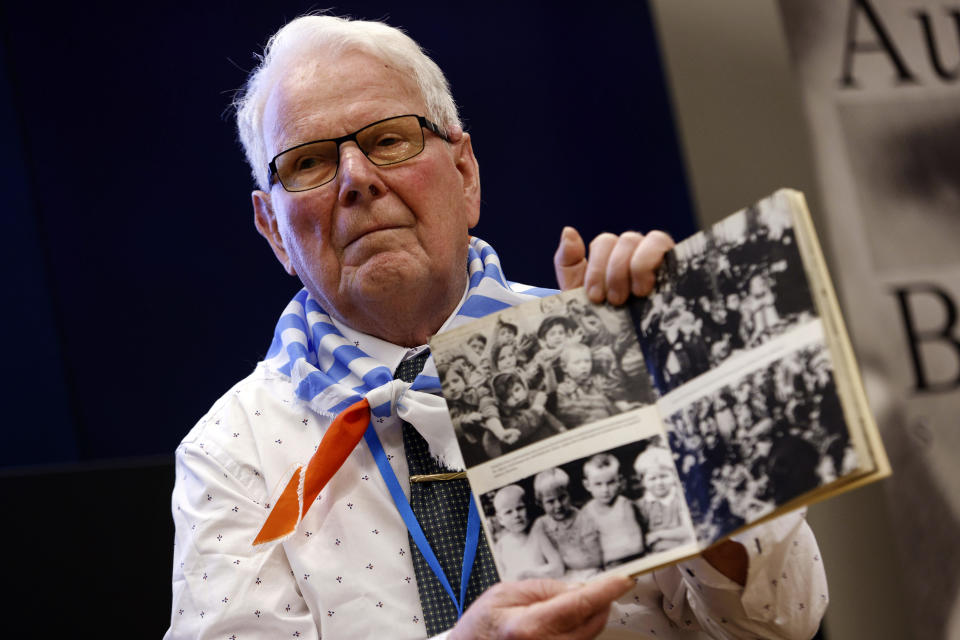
289	134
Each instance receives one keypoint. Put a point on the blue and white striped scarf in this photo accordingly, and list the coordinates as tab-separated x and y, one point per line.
331	373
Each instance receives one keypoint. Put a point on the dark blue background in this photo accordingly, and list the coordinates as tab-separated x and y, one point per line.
137	289
140	290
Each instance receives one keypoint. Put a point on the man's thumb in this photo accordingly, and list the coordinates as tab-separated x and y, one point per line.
570	260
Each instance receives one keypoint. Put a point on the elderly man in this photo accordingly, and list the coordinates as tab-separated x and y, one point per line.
287	525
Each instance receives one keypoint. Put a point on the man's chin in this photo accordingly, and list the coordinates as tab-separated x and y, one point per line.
384	272
381	242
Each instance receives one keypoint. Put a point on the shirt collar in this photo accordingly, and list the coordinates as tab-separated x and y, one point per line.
388	354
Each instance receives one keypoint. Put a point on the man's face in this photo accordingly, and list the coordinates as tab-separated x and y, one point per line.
364	241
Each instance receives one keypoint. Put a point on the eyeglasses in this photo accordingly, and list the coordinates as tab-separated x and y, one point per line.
314	164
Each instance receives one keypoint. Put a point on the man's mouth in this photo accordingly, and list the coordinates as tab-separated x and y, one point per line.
368	231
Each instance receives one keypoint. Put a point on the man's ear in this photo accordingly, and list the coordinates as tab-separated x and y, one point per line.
266	222
469	168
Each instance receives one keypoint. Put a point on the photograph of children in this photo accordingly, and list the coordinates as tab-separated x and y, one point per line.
758	442
724	290
661	503
594	513
539	370
521	552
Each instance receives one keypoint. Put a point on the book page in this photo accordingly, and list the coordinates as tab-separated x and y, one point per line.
865	436
554	412
642	434
739	355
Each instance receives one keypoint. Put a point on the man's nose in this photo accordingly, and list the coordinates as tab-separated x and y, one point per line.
359	178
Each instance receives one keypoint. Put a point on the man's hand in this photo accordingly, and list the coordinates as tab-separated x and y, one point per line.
538	609
617	265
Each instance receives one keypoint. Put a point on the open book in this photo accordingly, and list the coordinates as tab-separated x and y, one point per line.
599	437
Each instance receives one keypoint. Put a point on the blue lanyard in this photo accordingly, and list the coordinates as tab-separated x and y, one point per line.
403	506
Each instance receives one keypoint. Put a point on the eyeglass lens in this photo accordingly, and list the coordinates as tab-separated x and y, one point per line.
314	164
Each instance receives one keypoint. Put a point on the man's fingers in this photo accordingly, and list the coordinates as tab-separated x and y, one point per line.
535	609
525	592
618	266
592	627
595	280
575	609
645	259
570	260
601	592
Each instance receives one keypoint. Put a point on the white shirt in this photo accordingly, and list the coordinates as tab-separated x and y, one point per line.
348	573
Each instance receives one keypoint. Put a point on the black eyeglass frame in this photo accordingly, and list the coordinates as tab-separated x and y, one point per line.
352	137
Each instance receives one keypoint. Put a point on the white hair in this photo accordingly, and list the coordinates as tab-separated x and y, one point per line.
311	36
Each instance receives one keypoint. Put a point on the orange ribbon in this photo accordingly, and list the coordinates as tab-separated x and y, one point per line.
340	439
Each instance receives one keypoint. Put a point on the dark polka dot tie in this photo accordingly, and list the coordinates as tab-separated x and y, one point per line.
441	509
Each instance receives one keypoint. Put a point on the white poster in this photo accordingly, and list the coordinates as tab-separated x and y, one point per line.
881	84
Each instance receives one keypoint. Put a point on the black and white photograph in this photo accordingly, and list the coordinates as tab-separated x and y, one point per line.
722	291
541	370
759	441
577	519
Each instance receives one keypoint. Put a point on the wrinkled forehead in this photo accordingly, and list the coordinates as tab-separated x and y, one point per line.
331	93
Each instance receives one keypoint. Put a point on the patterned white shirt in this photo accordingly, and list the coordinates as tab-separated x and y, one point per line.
347	572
